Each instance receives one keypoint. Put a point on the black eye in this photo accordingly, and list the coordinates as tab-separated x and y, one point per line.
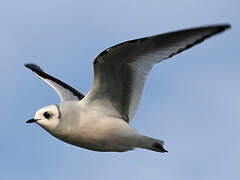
47	114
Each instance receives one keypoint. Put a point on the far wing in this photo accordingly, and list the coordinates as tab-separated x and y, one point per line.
66	92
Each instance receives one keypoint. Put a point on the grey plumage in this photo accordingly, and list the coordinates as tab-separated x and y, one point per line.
100	120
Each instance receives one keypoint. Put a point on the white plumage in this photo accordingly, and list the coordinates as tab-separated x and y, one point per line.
100	120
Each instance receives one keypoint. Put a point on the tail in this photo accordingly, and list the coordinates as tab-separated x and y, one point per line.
151	144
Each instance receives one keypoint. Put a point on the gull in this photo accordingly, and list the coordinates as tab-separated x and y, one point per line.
100	120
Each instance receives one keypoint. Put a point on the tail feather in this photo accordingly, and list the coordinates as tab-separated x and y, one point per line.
159	147
151	144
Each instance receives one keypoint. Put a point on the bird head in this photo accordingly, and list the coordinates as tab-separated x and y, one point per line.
47	117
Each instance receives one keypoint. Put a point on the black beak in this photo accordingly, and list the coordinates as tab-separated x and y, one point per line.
32	120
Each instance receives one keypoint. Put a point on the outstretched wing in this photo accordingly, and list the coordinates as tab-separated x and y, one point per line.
120	71
66	92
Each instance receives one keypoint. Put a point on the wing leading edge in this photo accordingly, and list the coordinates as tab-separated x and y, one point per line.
66	92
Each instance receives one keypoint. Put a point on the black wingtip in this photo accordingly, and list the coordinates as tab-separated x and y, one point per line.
33	67
229	26
219	27
36	69
225	26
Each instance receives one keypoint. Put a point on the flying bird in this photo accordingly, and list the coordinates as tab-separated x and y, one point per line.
100	120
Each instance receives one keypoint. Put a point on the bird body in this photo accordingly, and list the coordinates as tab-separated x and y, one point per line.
100	121
92	129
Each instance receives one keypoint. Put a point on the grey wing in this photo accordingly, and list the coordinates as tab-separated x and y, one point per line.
120	71
66	92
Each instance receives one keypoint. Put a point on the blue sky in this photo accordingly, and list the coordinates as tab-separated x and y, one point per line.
191	100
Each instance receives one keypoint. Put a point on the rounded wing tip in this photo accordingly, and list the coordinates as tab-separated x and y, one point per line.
33	67
226	26
219	27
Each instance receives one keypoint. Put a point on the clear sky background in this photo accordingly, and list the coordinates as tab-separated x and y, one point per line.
191	100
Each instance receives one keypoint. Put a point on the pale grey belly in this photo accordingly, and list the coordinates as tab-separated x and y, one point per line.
100	140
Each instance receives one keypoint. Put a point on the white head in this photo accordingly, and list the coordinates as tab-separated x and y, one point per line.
47	117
